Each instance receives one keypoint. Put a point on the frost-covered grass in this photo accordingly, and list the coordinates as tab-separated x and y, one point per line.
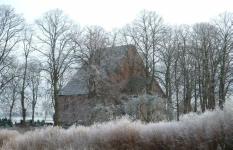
7	135
211	130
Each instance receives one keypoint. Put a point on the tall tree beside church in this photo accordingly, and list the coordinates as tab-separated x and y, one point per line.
145	34
55	30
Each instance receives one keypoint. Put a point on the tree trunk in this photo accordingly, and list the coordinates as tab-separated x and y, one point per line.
188	95
12	103
23	89
177	93
200	95
11	109
169	93
153	68
221	93
33	113
211	93
204	87
195	90
22	101
222	86
34	101
56	103
33	105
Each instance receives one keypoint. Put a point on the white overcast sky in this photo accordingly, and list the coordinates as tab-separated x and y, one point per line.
112	14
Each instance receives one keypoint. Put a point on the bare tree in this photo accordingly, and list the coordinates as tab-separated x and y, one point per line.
186	64
166	54
177	77
89	48
207	60
11	25
34	73
11	91
145	34
27	50
224	23
57	48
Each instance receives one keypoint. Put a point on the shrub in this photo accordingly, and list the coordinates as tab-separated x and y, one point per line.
5	122
37	123
147	108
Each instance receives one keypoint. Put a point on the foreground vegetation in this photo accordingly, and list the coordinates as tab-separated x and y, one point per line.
210	130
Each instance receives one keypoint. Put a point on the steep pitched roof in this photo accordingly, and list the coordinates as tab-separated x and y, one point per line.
78	85
111	58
